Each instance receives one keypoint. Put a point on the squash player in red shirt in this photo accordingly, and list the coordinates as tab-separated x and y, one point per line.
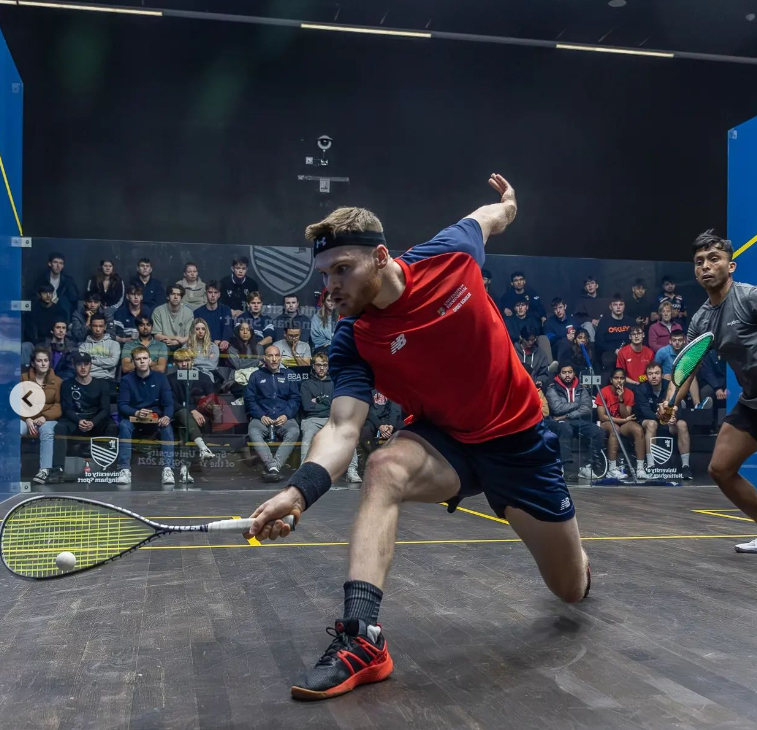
483	434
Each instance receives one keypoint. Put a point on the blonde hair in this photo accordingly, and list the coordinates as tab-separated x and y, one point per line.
200	347
345	219
183	353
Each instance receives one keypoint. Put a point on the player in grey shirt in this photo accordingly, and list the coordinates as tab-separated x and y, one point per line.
731	315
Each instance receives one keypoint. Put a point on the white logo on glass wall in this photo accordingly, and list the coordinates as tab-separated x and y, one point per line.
284	269
662	449
104	450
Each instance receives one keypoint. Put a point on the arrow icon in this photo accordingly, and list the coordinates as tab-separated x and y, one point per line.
26	400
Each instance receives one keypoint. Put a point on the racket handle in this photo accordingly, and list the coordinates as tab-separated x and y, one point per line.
241	525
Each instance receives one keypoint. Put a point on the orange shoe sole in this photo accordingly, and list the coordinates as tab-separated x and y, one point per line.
369	675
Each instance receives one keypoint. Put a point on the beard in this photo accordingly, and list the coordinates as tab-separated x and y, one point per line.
356	303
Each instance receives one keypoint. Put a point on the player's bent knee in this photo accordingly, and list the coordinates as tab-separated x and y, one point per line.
720	473
385	475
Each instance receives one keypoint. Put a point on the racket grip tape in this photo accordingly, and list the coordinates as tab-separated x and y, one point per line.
241	525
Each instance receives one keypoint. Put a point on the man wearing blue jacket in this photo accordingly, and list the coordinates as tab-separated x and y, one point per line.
272	400
145	392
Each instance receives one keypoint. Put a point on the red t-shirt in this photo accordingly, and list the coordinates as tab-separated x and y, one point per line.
405	350
634	363
613	405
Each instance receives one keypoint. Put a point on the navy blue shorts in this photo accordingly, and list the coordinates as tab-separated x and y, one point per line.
521	470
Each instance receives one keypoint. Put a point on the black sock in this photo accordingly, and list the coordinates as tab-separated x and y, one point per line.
362	600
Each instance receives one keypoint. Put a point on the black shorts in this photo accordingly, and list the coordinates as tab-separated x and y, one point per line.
521	470
743	418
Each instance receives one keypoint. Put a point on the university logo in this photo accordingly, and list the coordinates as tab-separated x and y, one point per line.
442	311
662	449
285	269
398	344
104	450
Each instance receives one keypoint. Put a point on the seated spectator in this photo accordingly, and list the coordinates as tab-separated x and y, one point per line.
591	305
613	332
666	357
560	329
125	317
194	287
152	289
145	396
659	332
44	314
272	401
83	317
65	291
576	356
294	352
635	357
620	404
648	396
676	301
102	348
205	351
486	275
189	414
521	318
571	415
261	324
158	350
108	284
218	316
172	321
291	313
712	379
533	359
641	307
383	420
244	353
62	350
43	425
315	394
519	290
323	323
236	287
85	402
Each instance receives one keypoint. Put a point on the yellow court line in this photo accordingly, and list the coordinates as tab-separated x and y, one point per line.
10	197
717	509
718	514
478	514
444	542
741	250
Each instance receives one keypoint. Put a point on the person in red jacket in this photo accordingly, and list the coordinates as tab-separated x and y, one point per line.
635	357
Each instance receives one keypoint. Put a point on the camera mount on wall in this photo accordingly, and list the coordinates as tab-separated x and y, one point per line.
324	143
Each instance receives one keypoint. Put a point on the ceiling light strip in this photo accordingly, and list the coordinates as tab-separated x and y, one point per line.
91	8
366	30
614	49
8	2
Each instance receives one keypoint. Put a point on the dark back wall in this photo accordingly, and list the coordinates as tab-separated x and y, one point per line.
159	129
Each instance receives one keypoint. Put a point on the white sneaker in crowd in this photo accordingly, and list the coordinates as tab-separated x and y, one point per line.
641	473
585	472
353	477
167	477
616	474
124	477
747	547
206	454
184	475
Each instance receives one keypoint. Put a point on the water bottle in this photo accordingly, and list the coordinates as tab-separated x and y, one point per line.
271	432
87	470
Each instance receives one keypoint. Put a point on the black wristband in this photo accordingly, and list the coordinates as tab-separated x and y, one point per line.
312	480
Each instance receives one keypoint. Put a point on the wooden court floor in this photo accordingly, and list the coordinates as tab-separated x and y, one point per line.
208	634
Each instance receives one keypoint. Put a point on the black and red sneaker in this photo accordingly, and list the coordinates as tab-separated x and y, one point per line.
357	655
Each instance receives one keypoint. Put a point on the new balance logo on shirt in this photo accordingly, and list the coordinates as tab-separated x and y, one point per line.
398	344
565	504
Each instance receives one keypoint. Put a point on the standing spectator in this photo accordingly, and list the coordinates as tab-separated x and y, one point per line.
666	357
205	352
676	301
291	313
85	402
486	275
43	316
294	352
108	284
272	401
591	305
171	322
384	418
648	397
641	307
237	286
65	291
712	376
571	415
635	357
218	316
613	332
560	329
43	425
519	290
125	317
659	332
152	289
194	287
102	348
244	352
533	359
158	350
62	350
261	324
83	317
323	323
620	403
143	395
316	393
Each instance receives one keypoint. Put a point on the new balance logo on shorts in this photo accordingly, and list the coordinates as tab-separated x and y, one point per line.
565	504
398	344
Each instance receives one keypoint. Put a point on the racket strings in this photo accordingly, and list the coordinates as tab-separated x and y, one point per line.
689	360
36	534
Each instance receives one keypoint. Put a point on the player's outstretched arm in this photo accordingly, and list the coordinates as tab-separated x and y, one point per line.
493	219
331	449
